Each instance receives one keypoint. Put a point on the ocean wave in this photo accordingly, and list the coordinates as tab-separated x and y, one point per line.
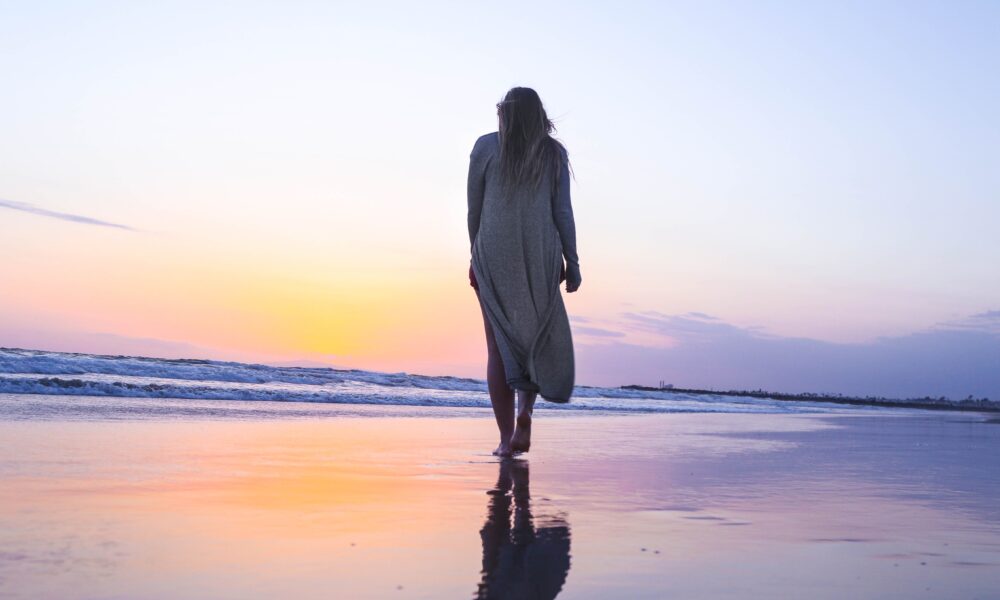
19	361
352	392
75	374
66	363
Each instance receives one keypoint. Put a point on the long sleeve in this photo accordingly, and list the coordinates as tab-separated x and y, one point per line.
562	214
476	190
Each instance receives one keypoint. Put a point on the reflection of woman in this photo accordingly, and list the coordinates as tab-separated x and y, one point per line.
521	561
521	227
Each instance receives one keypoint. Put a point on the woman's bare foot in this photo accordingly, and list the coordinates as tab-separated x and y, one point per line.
503	450
521	440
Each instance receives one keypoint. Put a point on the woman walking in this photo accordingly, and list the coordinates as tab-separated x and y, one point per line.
521	228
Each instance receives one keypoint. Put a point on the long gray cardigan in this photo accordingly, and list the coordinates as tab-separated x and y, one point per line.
518	242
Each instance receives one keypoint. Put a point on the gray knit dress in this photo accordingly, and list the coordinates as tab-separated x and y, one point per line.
519	238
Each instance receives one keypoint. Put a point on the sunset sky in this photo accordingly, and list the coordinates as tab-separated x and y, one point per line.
798	196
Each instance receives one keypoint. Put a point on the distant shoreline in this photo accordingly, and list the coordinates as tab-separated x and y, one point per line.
970	404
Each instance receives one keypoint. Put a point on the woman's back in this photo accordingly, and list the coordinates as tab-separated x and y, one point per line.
516	220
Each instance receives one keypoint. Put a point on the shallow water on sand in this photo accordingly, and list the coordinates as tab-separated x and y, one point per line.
407	503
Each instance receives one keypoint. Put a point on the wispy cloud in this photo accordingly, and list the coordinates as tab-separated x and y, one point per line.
988	321
31	208
687	327
597	331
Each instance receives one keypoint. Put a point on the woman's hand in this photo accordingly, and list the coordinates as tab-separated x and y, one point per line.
573	277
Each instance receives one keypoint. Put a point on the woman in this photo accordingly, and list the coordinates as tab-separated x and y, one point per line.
521	227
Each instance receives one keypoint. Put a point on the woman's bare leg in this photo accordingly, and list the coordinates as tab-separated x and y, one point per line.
501	394
521	440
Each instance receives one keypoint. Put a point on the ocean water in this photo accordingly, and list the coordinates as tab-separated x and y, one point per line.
34	372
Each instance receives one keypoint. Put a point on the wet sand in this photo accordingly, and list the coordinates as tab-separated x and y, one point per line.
387	503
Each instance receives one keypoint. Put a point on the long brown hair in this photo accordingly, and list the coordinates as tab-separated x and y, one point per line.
527	149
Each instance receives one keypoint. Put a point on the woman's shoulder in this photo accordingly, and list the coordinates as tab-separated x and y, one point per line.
486	141
493	136
561	148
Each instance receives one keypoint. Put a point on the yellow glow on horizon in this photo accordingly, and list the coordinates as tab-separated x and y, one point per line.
364	315
215	294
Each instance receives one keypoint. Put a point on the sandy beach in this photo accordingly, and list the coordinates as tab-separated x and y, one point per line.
185	499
